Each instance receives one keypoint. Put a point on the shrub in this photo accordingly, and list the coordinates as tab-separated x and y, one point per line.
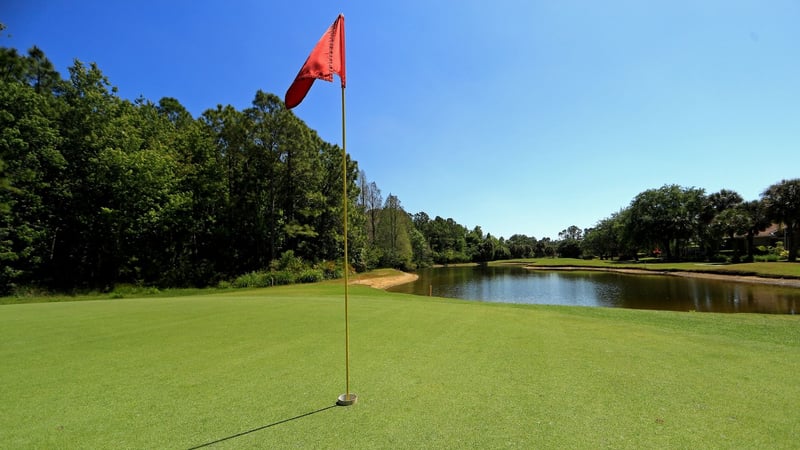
330	270
288	270
264	279
28	291
766	258
129	290
290	262
281	277
251	279
719	258
310	276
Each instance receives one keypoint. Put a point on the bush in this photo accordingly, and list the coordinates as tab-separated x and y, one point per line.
569	248
129	290
248	280
289	262
310	276
770	253
263	279
766	258
280	278
719	258
288	270
28	291
330	270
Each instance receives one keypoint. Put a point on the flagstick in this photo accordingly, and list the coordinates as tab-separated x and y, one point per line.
347	398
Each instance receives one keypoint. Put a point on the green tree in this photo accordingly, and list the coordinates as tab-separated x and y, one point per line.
139	185
370	201
502	251
475	240
710	230
545	247
572	233
782	204
393	235
96	190
422	252
665	216
603	240
302	200
569	244
757	221
447	240
488	249
728	223
33	178
569	248
194	239
12	65
521	246
242	244
41	74
83	245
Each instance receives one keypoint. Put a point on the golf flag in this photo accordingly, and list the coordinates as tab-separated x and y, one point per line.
326	59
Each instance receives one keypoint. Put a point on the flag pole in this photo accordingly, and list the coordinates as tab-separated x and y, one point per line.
347	398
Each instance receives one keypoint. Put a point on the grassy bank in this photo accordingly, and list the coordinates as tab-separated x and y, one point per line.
251	365
119	292
761	269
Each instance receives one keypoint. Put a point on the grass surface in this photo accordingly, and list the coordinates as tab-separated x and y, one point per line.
123	291
261	369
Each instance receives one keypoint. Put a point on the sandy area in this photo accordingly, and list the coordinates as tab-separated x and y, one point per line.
388	281
790	282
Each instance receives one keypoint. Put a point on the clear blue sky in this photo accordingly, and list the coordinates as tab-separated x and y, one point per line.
518	116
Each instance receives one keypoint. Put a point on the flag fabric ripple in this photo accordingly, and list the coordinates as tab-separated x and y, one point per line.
326	59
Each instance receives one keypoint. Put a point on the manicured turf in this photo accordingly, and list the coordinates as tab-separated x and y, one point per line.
251	365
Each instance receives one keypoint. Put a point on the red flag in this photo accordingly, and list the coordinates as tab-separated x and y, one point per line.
326	59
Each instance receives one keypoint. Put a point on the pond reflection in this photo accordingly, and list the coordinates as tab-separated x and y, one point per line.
608	289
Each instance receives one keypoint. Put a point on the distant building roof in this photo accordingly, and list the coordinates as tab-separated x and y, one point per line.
773	231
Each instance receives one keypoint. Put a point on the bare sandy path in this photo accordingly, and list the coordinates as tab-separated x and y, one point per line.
387	281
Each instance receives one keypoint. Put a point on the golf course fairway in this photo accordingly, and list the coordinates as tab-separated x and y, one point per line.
263	368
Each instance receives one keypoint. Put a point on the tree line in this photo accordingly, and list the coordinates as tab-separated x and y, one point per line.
671	222
678	222
97	190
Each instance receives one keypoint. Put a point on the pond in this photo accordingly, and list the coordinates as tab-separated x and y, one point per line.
514	284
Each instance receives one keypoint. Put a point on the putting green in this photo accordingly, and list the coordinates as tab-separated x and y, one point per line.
262	369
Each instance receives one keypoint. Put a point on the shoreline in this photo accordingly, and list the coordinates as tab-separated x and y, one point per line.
387	282
787	282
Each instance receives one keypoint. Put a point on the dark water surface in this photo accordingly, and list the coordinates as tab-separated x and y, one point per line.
609	289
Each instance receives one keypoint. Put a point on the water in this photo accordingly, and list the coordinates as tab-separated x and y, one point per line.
608	289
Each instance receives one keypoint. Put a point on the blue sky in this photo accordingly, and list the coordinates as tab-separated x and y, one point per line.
518	116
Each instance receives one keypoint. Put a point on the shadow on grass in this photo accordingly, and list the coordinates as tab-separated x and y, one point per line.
243	433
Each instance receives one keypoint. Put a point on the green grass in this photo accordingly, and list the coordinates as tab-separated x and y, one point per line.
121	291
430	373
763	269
